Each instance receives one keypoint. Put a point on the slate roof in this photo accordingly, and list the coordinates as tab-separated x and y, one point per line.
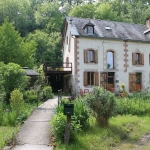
30	72
118	30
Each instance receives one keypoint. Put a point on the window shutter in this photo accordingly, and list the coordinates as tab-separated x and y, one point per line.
85	79
133	58
142	59
85	56
96	56
96	79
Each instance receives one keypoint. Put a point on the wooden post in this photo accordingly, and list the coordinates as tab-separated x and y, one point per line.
67	131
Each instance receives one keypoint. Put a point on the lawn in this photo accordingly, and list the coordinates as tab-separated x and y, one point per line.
8	131
130	121
7	135
122	133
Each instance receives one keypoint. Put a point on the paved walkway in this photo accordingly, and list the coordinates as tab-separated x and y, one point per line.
34	133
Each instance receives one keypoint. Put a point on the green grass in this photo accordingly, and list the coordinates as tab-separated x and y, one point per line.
122	133
7	135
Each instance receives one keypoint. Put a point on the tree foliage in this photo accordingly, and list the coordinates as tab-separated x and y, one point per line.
42	21
12	77
83	11
16	101
13	48
48	46
105	12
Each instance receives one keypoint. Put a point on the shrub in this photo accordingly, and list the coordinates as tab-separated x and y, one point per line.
59	123
102	103
9	118
81	111
12	77
134	106
16	101
47	93
30	96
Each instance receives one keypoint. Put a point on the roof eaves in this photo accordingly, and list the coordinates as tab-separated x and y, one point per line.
116	39
146	31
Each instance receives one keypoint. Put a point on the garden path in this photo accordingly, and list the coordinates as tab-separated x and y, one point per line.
35	132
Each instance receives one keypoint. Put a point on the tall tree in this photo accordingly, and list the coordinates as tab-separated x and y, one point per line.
12	76
48	46
49	18
105	11
13	48
20	13
84	11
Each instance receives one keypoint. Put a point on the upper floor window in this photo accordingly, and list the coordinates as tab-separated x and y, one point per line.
90	30
90	56
110	60
137	58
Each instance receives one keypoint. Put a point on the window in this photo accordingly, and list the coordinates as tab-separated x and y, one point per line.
91	78
90	30
137	59
110	60
90	56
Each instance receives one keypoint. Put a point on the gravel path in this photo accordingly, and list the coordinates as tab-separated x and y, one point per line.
143	143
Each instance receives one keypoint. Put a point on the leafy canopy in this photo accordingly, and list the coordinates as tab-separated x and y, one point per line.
13	48
12	77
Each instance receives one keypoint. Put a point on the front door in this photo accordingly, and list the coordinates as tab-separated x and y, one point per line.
135	82
107	80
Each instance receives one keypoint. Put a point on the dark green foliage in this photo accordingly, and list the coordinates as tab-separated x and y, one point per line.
30	96
16	101
135	104
12	77
80	119
59	123
81	112
8	117
47	93
102	103
13	48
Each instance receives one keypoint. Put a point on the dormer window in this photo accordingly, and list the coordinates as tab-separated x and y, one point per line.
89	28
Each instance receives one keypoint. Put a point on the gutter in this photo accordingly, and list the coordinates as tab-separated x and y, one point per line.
117	39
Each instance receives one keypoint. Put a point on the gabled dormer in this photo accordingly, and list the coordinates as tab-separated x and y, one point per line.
89	28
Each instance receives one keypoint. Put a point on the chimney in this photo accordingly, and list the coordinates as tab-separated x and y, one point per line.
148	23
70	21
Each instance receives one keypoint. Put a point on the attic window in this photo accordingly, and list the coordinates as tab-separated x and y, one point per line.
107	28
90	30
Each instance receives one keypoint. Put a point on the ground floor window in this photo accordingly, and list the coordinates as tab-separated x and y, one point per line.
91	78
135	82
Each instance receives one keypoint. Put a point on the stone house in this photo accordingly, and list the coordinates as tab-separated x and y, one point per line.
106	53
